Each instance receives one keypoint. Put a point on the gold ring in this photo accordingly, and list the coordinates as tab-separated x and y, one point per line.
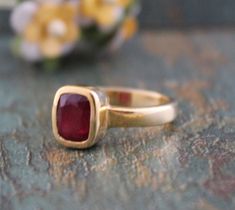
82	115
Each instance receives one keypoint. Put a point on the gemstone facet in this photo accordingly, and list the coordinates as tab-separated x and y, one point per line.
73	117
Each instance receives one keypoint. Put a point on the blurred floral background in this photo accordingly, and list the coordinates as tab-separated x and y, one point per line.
49	29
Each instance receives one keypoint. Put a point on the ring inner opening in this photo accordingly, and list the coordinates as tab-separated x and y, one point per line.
135	98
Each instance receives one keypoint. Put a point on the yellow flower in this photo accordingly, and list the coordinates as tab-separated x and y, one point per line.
126	31
129	27
52	27
106	13
124	3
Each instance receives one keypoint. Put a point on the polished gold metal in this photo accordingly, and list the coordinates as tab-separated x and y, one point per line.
117	107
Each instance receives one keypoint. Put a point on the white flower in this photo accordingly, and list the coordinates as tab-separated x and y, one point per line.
47	29
22	15
30	51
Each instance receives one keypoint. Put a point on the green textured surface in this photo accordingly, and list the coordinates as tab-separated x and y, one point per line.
188	165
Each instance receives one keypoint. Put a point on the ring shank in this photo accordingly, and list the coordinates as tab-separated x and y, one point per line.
138	108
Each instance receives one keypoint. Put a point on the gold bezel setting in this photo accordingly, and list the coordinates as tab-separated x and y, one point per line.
97	125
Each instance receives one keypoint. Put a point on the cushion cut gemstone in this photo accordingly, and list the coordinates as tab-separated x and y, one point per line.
73	117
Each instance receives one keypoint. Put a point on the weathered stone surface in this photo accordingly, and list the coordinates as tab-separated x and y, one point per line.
188	165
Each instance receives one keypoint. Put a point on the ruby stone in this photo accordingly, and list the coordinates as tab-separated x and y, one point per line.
73	117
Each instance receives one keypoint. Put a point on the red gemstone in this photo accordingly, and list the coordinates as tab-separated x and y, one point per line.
73	117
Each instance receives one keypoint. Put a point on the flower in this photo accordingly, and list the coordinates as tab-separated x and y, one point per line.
47	29
105	13
127	30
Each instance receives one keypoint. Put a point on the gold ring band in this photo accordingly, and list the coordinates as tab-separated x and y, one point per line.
82	115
